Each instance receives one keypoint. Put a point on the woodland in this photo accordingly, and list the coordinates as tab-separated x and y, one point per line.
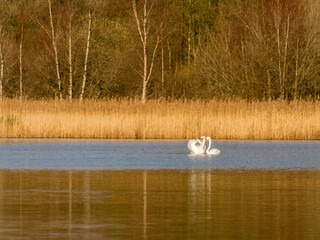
162	49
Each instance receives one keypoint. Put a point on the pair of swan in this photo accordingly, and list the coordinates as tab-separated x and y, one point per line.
197	146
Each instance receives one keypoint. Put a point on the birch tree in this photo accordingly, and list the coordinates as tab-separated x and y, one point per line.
54	44
282	53
143	30
70	52
22	22
84	79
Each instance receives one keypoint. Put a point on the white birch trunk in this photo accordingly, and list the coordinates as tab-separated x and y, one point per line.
54	43
1	71
143	33
20	60
277	21
279	62
269	85
285	57
145	57
189	42
162	71
169	58
296	71
70	59
86	57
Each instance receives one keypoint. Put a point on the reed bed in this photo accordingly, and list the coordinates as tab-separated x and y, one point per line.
130	119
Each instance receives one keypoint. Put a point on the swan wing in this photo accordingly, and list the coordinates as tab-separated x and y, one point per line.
213	151
190	142
196	149
195	142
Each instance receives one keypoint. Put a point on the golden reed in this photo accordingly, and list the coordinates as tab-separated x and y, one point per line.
130	119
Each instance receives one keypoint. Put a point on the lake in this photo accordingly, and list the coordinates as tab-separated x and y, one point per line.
138	189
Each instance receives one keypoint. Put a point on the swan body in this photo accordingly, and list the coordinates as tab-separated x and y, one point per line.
212	151
193	141
196	146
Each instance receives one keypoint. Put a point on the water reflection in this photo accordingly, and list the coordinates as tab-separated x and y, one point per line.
162	204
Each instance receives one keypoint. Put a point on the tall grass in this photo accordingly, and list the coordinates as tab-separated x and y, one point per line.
129	119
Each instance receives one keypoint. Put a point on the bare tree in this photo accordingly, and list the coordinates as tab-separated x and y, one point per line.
22	21
162	71
86	56
143	30
277	22
54	44
282	54
70	52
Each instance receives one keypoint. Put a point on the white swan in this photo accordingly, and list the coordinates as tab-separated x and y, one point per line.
196	146
212	151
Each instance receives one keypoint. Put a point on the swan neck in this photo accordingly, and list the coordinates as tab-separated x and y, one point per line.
202	144
209	144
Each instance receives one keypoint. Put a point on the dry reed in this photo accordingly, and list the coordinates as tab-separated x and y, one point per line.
129	119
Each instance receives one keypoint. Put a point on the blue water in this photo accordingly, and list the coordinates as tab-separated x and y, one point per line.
154	154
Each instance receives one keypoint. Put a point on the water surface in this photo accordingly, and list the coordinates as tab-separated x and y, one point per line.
134	154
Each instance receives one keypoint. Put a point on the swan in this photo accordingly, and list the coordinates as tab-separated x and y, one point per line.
196	146
212	151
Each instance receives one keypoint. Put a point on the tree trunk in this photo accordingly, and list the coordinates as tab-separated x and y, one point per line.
269	85
285	57
145	58
189	42
144	90
20	60
170	66
1	71
70	59
296	72
246	75
315	89
162	71
277	21
143	33
86	57
54	43
169	58
279	63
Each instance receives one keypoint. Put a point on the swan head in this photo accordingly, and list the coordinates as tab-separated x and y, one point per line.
203	137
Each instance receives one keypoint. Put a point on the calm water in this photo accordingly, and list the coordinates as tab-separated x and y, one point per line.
86	189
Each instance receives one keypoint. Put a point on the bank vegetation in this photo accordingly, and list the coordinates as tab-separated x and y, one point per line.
176	119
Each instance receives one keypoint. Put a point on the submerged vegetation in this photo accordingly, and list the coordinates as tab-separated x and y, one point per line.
176	119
